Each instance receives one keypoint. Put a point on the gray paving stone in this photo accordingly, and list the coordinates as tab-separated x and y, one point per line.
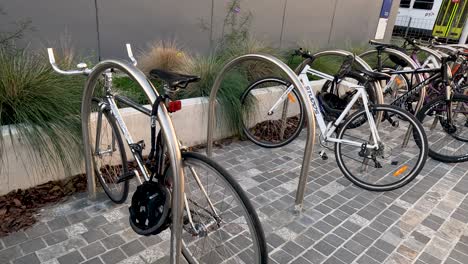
150	240
113	256
333	260
95	222
429	258
56	237
93	261
93	235
32	245
14	239
28	259
324	248
313	256
58	223
281	256
132	248
10	254
78	217
73	257
92	250
377	254
37	230
462	257
112	241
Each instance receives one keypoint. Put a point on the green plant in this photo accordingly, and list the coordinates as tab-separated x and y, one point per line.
42	106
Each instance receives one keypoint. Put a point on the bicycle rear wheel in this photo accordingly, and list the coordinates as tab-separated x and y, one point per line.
225	228
108	153
391	166
276	128
448	142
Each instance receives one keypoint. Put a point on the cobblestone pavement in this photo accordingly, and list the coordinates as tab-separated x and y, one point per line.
424	222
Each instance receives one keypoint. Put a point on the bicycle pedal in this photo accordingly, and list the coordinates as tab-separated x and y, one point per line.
323	155
126	176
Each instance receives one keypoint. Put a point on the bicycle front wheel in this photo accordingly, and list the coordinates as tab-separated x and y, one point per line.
220	224
395	163
270	117
108	152
446	126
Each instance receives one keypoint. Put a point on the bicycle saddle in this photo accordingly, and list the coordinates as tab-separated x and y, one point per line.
375	75
174	79
382	45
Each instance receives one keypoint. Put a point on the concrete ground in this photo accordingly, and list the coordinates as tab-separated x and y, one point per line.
423	222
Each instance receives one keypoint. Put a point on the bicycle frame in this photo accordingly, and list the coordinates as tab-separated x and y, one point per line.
329	129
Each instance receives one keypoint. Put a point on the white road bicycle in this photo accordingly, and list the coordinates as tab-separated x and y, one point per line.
368	138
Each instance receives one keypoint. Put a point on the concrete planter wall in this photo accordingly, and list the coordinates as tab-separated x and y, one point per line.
20	171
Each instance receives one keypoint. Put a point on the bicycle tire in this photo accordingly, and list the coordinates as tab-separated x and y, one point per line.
424	116
191	159
120	196
295	125
420	147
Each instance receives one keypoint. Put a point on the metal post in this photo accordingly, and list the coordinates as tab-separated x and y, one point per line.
98	33
332	22
408	27
282	23
169	137
302	93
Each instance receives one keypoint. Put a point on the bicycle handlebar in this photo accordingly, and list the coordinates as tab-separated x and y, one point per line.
83	68
130	54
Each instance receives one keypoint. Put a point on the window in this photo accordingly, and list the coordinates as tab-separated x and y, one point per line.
405	3
423	4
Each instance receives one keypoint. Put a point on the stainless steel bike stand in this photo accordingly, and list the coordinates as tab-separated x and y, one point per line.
308	107
169	137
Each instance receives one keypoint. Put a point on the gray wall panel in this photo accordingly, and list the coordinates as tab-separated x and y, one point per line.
141	21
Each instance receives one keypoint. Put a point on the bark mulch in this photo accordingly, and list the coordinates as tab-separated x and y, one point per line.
18	209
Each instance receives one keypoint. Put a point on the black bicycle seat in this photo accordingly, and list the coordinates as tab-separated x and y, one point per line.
375	75
382	45
174	79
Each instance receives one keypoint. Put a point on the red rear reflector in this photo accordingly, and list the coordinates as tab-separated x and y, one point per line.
174	106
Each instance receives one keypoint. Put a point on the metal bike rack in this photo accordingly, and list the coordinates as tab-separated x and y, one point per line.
169	137
447	49
411	63
308	107
344	53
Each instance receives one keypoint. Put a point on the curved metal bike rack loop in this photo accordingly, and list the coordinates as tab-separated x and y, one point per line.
445	48
461	46
308	107
344	53
407	59
168	133
435	53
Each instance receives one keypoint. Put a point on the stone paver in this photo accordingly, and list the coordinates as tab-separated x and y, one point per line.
424	222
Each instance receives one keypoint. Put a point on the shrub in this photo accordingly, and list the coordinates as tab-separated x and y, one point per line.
42	106
163	55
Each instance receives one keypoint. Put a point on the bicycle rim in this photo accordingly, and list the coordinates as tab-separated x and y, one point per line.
108	155
279	127
447	142
395	164
236	236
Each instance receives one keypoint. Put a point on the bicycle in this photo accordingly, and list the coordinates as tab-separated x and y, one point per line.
447	142
217	221
357	137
